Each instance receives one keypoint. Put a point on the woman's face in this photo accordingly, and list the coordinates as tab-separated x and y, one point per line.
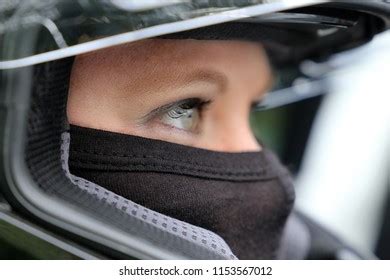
191	92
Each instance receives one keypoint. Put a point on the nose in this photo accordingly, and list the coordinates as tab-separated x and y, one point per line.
232	134
237	140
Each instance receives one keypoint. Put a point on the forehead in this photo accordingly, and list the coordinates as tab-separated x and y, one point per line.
158	63
149	53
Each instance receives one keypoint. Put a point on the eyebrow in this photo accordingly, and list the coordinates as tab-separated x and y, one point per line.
210	76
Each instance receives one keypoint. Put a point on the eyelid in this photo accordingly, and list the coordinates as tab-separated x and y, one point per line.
165	108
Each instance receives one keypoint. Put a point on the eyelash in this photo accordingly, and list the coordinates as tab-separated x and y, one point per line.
187	104
184	105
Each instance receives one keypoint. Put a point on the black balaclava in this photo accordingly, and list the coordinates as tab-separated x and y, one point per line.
243	197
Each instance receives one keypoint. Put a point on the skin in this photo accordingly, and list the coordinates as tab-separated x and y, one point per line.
117	88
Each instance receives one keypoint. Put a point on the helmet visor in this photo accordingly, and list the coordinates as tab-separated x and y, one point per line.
38	31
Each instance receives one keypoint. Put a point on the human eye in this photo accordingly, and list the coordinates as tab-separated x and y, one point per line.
184	115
